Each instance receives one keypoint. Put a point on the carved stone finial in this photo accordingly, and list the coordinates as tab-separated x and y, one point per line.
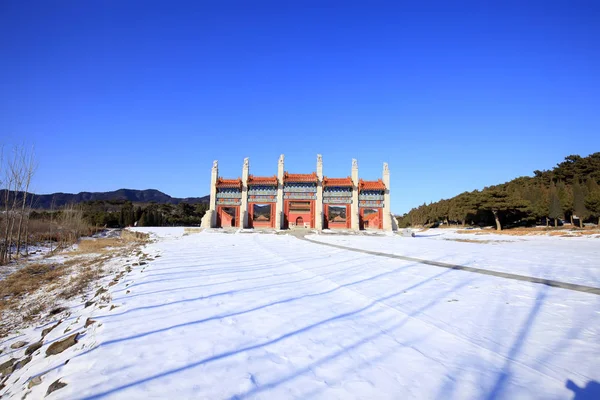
319	159
246	162
215	164
281	157
354	163
386	168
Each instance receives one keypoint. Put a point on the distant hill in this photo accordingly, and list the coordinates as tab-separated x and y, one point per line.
55	200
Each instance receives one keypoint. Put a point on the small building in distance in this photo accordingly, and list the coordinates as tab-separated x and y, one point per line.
290	200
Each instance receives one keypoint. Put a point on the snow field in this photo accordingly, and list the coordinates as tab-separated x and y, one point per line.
271	316
573	260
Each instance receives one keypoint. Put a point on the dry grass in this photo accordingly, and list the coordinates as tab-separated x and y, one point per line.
104	245
99	245
132	236
550	231
471	241
480	241
30	278
33	289
188	231
88	272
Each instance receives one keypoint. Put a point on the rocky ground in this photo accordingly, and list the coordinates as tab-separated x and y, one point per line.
44	303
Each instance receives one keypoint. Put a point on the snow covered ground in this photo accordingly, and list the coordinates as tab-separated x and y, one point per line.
568	259
268	316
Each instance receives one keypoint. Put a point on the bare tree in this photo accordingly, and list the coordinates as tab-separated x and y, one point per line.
28	167
17	171
8	182
28	215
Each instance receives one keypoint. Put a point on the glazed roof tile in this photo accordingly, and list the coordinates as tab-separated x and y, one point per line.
301	178
262	180
371	185
229	183
339	182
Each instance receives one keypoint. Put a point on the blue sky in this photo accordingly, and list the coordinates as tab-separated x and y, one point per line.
145	94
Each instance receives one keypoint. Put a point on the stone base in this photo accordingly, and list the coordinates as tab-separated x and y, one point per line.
206	219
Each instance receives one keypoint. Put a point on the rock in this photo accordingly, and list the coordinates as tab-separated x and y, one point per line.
127	292
113	283
48	330
34	382
18	345
407	233
113	307
89	303
57	310
33	348
100	291
143	263
60	346
22	363
7	367
89	322
57	384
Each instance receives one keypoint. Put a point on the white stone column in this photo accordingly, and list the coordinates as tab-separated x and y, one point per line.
279	204
244	205
210	218
355	214
319	203
387	215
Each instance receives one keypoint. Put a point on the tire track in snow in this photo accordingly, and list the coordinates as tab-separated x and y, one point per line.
508	359
506	275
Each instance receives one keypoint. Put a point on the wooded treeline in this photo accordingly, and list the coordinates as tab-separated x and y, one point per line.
22	224
569	192
121	214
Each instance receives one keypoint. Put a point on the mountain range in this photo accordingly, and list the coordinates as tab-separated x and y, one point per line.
55	200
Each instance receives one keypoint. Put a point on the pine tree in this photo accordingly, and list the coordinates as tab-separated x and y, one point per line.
566	199
579	207
138	213
131	218
592	199
554	207
500	203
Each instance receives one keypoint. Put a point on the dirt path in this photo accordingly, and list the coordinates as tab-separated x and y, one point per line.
301	234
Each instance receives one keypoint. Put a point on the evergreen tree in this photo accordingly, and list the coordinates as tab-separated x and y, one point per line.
566	199
592	200
138	213
500	203
579	202
555	208
461	207
534	192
